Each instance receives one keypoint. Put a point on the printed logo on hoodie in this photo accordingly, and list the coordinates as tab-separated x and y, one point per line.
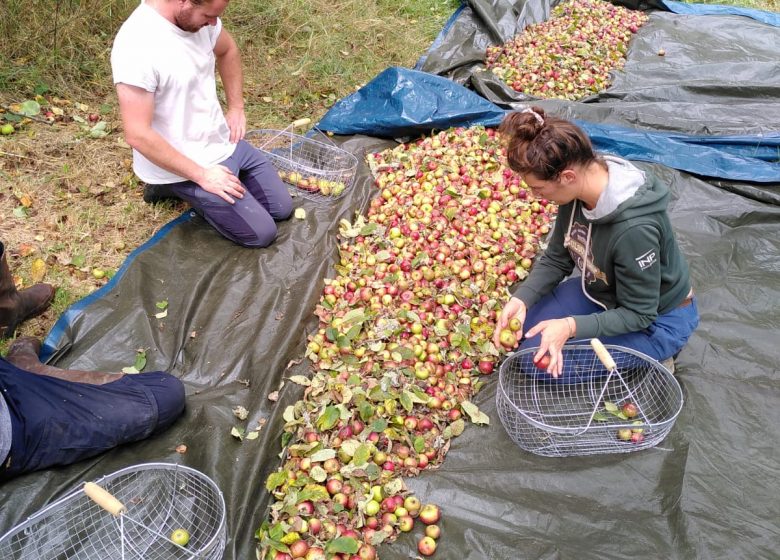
575	242
647	260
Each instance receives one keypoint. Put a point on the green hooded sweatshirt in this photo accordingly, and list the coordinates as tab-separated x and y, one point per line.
625	247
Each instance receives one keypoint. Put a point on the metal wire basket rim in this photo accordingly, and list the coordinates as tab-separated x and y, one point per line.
127	470
299	137
665	372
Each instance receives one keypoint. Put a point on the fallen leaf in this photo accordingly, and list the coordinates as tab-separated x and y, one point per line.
161	314
193	334
253	434
37	270
267	99
237	433
240	412
25	200
27	249
300	214
181	449
274	396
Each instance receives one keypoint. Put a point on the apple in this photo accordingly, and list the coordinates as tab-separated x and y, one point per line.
629	409
507	338
637	438
299	548
426	546
515	324
624	434
366	552
316	553
430	514
433	531
405	523
7	129
372	508
180	536
412	504
543	363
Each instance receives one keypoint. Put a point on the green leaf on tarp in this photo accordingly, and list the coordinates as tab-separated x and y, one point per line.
20	212
313	493
328	418
275	480
419	444
366	411
331	334
323	455
300	380
342	545
139	365
161	304
406	401
318	473
237	433
379	425
476	415
362	454
354	316
368	229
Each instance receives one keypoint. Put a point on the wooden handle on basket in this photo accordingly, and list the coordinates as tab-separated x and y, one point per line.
104	499
301	122
603	354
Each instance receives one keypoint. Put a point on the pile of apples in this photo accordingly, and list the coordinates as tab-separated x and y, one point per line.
570	55
403	343
312	183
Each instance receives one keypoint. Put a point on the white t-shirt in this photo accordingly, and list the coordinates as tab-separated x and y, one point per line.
178	67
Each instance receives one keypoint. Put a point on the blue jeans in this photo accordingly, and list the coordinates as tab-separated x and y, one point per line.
251	220
58	422
664	338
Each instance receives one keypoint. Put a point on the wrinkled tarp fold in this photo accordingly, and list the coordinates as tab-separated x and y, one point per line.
238	321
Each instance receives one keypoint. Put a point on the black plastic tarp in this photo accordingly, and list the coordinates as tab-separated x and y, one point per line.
238	321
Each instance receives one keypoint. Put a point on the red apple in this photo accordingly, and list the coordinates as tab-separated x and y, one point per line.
430	514
426	546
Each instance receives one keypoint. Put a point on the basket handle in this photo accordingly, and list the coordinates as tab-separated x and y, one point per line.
104	499
603	354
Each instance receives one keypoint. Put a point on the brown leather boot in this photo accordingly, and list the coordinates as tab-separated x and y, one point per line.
23	353
16	306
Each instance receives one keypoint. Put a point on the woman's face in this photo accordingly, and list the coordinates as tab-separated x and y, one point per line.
560	190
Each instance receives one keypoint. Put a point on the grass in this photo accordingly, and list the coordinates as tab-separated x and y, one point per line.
71	201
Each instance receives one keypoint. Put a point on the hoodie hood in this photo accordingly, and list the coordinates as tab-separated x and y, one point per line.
628	194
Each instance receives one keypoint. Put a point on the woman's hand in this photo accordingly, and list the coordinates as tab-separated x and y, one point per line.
513	308
555	333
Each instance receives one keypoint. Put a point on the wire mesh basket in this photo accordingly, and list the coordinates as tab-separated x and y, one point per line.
631	403
130	514
317	170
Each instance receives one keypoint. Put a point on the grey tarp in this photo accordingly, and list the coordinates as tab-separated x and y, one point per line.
238	315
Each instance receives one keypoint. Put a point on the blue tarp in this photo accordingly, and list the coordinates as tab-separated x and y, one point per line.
721	10
401	102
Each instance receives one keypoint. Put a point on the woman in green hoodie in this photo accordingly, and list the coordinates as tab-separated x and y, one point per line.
633	289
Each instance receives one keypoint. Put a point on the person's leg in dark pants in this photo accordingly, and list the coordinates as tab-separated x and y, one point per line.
251	221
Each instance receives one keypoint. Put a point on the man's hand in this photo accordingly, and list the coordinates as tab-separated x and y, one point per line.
236	120
513	308
219	180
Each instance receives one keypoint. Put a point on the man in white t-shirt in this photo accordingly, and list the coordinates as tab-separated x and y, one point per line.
163	63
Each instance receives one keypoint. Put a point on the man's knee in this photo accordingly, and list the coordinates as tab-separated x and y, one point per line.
168	393
259	237
285	207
